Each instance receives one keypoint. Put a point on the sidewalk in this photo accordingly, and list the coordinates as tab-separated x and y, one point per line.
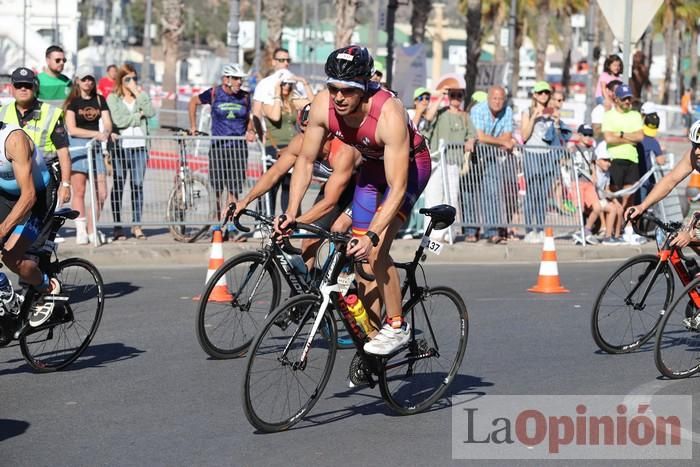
161	250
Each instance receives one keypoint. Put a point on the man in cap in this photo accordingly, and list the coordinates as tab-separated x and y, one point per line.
622	130
44	125
649	150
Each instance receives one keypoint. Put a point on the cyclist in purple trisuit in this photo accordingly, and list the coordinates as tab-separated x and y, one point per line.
394	173
689	162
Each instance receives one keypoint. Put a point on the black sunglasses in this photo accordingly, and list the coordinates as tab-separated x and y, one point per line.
128	79
423	98
282	60
335	90
23	86
60	60
543	92
456	95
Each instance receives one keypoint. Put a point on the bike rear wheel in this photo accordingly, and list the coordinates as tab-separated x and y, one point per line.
73	323
227	325
620	327
279	389
190	206
677	348
416	377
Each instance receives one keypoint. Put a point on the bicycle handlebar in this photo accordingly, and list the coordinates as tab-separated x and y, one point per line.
670	227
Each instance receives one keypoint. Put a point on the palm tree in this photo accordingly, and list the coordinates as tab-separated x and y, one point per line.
345	21
473	43
542	37
274	12
419	18
173	27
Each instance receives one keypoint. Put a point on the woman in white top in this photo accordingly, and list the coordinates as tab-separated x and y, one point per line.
130	108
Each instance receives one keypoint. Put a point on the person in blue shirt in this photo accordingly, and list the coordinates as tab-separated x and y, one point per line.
230	116
493	121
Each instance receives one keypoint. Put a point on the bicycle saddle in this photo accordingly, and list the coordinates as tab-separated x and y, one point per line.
443	215
66	213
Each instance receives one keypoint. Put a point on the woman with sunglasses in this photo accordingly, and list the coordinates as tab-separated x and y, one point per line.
87	121
131	108
452	125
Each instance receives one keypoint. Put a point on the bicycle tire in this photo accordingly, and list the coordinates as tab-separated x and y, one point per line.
221	329
616	334
72	326
267	348
178	208
417	393
676	341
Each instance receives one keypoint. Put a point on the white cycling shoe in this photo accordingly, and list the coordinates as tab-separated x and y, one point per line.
388	340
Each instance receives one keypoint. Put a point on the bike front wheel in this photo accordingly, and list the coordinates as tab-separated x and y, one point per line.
228	317
190	208
621	320
279	387
413	379
73	322
677	349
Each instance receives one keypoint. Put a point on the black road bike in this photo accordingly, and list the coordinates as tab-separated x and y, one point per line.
77	308
288	366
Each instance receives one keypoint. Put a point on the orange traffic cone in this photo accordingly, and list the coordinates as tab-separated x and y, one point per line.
548	280
216	259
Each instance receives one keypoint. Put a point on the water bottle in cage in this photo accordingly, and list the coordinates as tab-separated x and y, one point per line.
8	297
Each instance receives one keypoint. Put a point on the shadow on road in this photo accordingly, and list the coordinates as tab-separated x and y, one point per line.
119	289
95	356
10	428
462	385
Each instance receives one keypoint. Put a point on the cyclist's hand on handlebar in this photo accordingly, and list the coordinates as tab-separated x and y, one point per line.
240	206
360	247
633	212
284	224
682	239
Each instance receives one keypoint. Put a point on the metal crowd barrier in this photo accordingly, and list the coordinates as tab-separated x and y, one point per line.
528	188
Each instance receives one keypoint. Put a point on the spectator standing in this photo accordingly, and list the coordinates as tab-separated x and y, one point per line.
266	88
452	126
280	121
53	84
622	130
493	121
421	100
230	116
130	108
687	107
600	109
649	151
43	123
105	85
612	69
85	110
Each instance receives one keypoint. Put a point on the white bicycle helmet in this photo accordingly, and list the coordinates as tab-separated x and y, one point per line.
694	133
234	70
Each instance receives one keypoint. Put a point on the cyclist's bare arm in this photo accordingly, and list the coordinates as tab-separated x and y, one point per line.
314	137
392	131
665	186
19	150
343	169
192	112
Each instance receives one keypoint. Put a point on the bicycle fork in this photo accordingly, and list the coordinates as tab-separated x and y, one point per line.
640	304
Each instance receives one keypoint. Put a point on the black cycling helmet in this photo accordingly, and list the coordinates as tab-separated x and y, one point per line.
351	64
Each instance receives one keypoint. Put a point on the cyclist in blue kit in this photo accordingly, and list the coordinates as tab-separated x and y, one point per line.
26	204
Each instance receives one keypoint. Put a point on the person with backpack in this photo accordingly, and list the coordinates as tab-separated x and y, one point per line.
230	116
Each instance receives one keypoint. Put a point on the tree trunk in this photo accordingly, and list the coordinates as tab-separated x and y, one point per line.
345	21
473	44
500	19
669	46
274	12
542	38
173	27
693	56
519	37
419	18
566	46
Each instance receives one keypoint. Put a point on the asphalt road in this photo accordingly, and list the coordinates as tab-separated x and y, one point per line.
145	394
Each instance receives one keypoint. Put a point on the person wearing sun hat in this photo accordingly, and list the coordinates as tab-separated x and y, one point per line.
649	150
421	100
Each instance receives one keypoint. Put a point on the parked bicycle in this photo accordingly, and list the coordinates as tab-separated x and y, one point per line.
225	328
629	307
288	366
190	209
77	309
